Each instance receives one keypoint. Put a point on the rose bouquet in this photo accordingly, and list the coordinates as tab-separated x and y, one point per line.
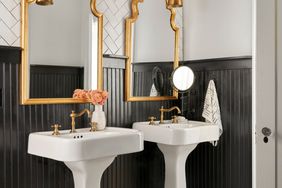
97	97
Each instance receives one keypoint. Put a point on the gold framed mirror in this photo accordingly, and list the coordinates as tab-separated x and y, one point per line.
49	36
132	63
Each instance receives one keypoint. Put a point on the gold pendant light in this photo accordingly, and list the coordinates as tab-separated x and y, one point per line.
175	3
42	2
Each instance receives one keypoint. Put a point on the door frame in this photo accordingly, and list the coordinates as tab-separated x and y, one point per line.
264	92
279	93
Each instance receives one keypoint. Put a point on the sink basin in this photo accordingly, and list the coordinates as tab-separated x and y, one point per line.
86	153
176	142
178	134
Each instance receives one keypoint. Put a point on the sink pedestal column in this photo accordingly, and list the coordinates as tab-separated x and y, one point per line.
88	174
175	160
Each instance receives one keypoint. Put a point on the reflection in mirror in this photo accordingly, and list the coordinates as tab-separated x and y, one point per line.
182	78
153	50
63	45
158	82
153	44
153	37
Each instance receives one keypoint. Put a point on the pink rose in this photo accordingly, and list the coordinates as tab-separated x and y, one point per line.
95	96
79	94
105	95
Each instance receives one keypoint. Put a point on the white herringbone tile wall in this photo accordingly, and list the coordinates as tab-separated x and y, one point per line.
10	22
115	12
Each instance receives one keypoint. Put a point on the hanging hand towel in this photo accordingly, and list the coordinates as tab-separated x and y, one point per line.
153	92
211	110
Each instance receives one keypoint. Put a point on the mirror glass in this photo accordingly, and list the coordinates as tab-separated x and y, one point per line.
182	78
153	50
62	48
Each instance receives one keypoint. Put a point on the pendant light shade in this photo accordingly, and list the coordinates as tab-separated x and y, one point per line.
175	3
44	2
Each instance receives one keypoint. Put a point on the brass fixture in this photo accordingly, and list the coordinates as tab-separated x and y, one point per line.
24	66
56	129
129	46
73	115
175	3
162	110
93	126
174	119
152	120
42	2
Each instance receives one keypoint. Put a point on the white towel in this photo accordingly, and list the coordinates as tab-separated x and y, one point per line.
154	92
211	110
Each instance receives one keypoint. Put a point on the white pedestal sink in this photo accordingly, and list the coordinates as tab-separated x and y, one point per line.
86	153
176	142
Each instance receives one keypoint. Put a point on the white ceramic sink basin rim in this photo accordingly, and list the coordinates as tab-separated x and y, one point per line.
85	145
178	134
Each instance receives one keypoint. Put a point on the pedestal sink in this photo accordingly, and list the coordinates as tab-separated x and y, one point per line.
176	142
86	153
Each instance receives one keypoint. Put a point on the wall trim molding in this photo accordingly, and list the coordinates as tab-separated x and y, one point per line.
228	63
9	54
219	59
239	62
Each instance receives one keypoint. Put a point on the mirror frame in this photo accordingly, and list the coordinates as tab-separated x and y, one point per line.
24	82
128	52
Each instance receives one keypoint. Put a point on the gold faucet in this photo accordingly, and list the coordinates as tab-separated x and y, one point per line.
56	129
162	110
93	126
73	115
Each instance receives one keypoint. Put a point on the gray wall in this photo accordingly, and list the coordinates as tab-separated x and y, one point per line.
153	37
213	29
55	36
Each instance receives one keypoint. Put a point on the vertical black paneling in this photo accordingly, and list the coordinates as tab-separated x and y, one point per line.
55	81
230	163
225	166
1	97
17	168
142	79
139	170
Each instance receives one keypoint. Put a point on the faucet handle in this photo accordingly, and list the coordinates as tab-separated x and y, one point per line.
56	129
152	120
174	119
93	126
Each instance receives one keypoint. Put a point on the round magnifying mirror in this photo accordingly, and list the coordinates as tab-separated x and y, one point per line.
182	78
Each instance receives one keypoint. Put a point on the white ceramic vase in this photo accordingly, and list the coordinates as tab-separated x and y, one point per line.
99	117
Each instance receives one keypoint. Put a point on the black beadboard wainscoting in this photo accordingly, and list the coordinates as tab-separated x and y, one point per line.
226	166
54	81
21	170
143	78
229	165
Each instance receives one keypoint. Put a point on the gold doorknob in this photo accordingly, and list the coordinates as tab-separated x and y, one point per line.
56	129
152	120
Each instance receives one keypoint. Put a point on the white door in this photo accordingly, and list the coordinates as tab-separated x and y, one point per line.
264	94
